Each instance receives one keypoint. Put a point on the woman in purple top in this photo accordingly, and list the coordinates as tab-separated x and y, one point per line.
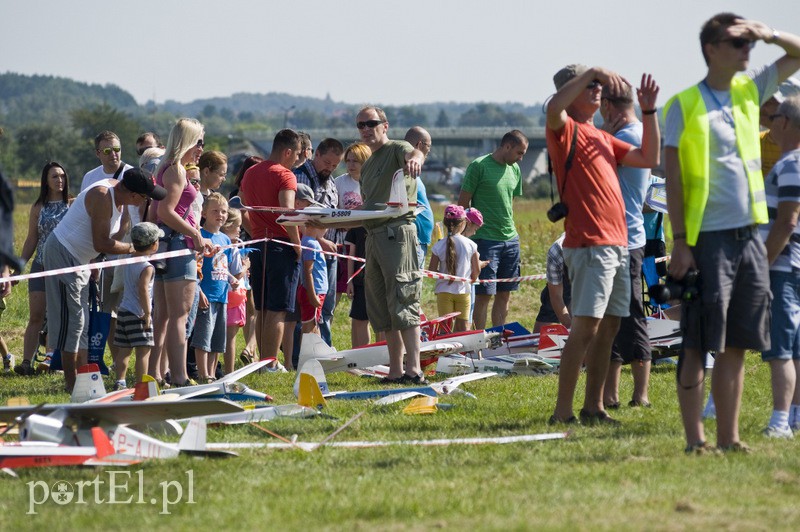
174	288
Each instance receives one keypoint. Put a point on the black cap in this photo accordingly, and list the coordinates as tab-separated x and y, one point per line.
136	180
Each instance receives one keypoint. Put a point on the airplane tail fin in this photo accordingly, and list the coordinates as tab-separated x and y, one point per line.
146	389
311	347
88	384
547	334
102	444
309	392
194	437
398	196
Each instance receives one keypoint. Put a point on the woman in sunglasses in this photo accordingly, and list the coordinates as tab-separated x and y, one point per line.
174	288
49	208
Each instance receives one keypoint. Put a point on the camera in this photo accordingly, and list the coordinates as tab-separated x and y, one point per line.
557	212
687	289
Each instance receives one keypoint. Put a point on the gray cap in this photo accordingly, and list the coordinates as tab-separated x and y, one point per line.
790	87
304	192
567	73
145	234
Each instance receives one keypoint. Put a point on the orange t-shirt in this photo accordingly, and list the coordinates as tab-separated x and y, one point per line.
592	195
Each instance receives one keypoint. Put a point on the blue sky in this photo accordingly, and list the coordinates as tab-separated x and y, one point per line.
359	51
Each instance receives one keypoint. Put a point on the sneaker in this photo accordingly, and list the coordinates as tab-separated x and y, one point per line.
597	418
8	362
24	368
778	432
120	385
44	364
277	368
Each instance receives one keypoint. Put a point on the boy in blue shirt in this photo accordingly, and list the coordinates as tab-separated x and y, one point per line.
311	292
210	327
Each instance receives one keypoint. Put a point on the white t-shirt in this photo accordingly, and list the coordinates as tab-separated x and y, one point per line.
349	191
465	249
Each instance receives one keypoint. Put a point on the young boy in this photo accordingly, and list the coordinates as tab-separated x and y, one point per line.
311	292
210	326
134	326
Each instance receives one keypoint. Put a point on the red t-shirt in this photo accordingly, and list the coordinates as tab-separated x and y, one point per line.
260	187
596	210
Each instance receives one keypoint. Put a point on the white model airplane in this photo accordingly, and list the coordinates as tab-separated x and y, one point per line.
89	388
397	205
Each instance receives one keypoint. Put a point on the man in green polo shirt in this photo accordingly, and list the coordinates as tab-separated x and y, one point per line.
489	185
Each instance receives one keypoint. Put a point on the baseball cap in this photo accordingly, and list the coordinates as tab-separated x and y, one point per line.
144	234
790	87
305	193
474	216
567	73
137	181
454	212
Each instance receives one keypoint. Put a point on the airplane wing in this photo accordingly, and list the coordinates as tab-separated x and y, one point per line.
236	203
130	412
243	372
440	349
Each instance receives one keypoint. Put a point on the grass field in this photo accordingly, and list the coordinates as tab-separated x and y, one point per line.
634	477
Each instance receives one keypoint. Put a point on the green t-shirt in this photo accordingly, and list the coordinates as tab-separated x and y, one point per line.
376	179
493	186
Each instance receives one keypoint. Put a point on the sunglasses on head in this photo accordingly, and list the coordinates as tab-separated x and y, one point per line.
107	151
740	42
369	123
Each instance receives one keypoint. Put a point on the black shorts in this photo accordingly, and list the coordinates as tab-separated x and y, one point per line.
358	309
275	272
632	341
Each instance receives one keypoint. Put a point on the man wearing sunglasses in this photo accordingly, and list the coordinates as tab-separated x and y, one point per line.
108	150
595	247
147	140
393	283
715	198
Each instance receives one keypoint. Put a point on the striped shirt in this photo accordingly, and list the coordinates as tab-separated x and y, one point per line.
783	185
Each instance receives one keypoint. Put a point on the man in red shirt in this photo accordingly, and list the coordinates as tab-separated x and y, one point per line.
596	243
275	270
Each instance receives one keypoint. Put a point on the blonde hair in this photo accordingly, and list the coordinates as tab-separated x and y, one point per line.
182	138
360	150
234	218
215	197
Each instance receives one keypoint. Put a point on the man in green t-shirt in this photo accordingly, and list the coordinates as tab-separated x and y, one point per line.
392	280
489	185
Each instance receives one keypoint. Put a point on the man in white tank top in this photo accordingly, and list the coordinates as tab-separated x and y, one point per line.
87	230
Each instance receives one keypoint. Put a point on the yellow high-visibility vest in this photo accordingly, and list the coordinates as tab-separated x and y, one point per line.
693	150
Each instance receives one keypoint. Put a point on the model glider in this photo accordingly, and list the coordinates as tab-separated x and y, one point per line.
397	205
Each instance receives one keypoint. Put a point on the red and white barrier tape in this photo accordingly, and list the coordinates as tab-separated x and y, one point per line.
117	262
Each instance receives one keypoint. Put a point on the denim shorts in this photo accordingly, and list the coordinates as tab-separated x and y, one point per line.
183	268
785	327
503	260
210	328
36	284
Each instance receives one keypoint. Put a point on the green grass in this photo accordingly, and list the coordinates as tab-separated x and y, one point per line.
635	477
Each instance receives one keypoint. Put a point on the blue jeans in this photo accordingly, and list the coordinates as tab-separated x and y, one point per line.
330	302
785	327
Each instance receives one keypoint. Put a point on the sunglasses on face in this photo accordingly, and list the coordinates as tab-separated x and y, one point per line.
201	143
369	123
594	85
107	151
740	42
